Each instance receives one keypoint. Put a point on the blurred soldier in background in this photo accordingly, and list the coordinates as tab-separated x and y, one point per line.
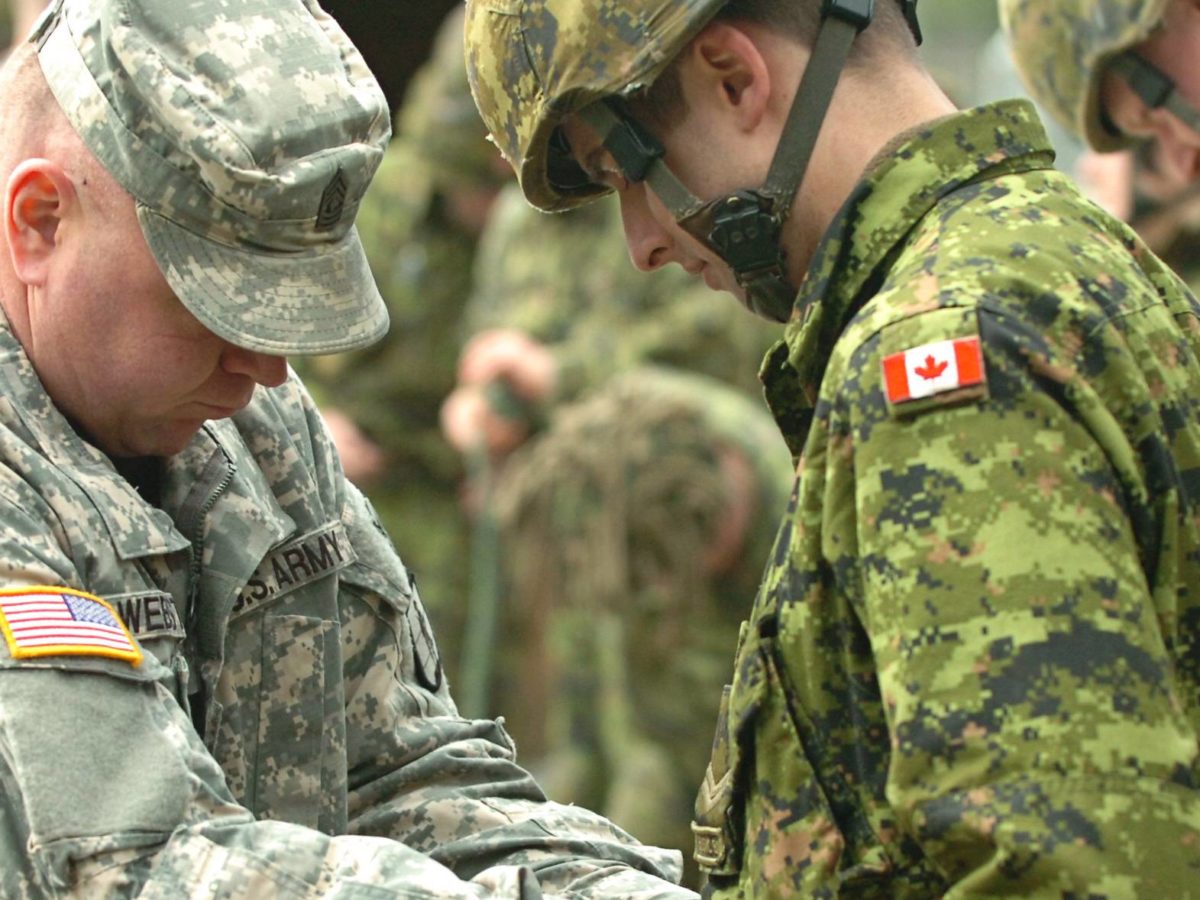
419	222
636	515
1125	76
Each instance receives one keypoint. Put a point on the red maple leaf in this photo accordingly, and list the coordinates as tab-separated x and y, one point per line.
932	368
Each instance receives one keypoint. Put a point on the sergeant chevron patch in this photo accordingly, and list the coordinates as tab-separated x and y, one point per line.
932	369
56	621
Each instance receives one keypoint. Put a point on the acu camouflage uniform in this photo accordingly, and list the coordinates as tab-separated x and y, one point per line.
281	727
606	513
290	711
422	260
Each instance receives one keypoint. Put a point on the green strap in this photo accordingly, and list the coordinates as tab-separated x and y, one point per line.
669	189
1155	88
808	111
476	667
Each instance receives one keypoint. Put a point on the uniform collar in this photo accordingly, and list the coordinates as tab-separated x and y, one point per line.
905	182
137	528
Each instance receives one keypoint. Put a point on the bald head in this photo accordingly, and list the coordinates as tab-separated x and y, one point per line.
34	127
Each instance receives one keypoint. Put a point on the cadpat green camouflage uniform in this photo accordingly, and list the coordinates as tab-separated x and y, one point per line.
607	519
974	665
290	712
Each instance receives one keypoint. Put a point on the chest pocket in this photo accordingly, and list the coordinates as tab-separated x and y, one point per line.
763	826
275	721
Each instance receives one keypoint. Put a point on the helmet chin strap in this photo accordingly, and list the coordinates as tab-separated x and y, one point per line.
744	228
1154	88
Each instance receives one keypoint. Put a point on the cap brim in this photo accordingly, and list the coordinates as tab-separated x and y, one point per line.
321	300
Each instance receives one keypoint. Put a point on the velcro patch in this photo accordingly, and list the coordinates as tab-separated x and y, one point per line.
932	369
295	564
58	621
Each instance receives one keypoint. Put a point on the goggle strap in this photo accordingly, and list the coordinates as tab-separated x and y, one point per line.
1154	88
611	128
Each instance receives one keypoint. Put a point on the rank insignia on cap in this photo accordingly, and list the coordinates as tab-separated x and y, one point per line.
56	621
333	202
932	369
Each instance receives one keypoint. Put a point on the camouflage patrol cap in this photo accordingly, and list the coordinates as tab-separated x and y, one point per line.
439	119
531	63
1062	47
246	132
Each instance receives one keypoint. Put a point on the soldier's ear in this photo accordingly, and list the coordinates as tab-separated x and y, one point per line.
727	67
38	195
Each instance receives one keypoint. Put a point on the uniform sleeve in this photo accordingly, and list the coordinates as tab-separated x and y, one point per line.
109	791
1014	576
451	786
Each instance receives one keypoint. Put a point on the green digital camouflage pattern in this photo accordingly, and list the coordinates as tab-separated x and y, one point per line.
606	521
567	281
290	733
254	180
439	117
524	95
973	668
1061	48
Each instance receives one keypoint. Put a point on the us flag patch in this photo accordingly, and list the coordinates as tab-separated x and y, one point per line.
53	621
932	369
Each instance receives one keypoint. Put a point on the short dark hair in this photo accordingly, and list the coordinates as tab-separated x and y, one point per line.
888	34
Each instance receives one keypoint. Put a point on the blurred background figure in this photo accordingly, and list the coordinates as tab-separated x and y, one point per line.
16	21
1126	82
419	222
635	476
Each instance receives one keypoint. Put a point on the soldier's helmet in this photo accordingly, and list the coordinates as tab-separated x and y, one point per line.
439	121
1062	48
532	63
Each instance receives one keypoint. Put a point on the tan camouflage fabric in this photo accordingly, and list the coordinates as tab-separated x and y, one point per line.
422	258
393	390
247	131
533	62
1061	48
290	732
973	668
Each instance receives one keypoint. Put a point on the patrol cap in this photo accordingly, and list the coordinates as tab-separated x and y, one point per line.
246	131
1063	47
531	63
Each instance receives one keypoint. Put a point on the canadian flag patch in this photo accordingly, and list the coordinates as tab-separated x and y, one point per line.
932	369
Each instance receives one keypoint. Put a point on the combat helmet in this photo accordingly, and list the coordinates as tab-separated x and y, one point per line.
1062	48
532	63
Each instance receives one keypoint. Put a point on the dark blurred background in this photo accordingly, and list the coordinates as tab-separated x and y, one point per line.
394	37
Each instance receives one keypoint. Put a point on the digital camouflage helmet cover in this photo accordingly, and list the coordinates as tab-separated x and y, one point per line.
1063	48
532	63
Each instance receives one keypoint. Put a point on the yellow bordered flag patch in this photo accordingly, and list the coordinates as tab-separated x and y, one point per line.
58	621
